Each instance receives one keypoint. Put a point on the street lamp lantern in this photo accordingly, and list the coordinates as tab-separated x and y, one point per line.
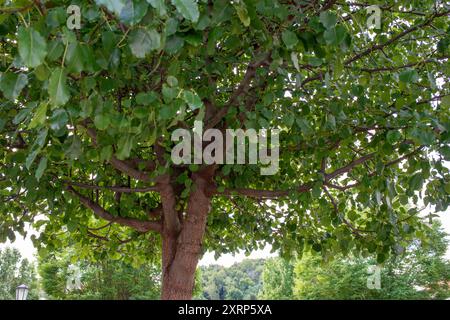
22	292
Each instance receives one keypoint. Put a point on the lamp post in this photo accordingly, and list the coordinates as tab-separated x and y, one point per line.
21	292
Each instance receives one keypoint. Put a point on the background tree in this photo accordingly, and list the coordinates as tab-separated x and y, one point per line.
86	118
241	281
277	279
53	278
14	271
421	273
106	279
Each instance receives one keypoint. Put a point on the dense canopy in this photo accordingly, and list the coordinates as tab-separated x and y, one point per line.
86	116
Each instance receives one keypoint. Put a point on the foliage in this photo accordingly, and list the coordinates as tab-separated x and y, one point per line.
241	281
105	280
277	279
53	279
15	271
86	118
421	273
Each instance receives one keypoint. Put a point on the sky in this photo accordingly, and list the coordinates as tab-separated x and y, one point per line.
25	246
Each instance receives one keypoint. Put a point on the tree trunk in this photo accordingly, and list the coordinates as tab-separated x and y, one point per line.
180	253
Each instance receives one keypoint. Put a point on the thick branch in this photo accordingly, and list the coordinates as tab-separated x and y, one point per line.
111	188
377	47
395	38
120	165
387	164
265	194
349	167
412	64
103	238
139	225
242	89
273	194
355	231
172	223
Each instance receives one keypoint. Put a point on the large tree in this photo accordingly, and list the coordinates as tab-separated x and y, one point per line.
278	279
422	272
86	117
15	271
106	279
241	281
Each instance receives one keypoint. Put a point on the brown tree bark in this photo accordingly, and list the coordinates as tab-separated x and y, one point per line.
181	251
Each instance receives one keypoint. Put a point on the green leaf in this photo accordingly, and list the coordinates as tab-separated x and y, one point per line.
172	81
203	22
56	17
432	80
32	47
169	93
393	136
445	151
124	146
315	62
102	121
133	12
59	119
79	58
31	157
171	26
192	99
304	126
416	181
21	115
288	119
166	112
41	168
447	188
409	76
106	153
143	41
41	72
39	116
74	58
74	151
335	36
36	148
328	19
174	44
289	38
188	9
72	226
86	108
11	84
423	135
115	6
294	58
242	13
194	39
57	88
445	102
55	50
146	98
159	6
331	122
